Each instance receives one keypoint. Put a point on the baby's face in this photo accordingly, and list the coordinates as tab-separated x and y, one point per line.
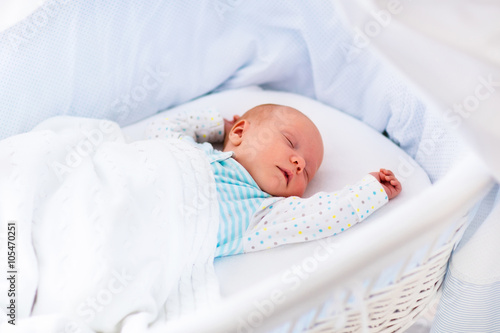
281	152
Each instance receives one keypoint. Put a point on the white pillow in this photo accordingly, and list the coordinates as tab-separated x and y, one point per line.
352	149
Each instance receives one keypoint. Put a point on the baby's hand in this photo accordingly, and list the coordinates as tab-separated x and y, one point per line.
389	182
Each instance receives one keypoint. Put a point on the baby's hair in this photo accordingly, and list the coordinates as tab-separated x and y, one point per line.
265	111
269	112
257	114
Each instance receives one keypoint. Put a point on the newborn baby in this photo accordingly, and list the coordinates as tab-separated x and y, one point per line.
270	154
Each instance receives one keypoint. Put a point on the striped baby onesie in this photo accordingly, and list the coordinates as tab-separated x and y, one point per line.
252	220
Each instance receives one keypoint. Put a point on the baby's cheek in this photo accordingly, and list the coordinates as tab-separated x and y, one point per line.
304	186
299	190
271	186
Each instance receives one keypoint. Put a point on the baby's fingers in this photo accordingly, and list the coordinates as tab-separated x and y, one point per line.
387	172
391	178
396	184
386	175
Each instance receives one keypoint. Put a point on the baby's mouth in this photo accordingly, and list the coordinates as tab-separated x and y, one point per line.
287	174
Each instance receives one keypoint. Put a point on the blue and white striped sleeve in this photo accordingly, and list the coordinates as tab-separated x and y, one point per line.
205	125
292	220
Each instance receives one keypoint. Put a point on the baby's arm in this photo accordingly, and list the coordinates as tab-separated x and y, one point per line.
294	219
205	125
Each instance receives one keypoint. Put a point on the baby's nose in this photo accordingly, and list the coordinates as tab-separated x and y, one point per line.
299	162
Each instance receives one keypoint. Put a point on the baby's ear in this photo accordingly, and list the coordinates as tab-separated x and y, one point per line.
236	133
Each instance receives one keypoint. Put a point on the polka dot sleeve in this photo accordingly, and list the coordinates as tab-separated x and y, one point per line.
292	220
200	125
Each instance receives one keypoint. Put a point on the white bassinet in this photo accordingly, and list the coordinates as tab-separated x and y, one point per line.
391	296
125	61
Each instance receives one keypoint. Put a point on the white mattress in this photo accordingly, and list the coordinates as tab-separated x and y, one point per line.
352	149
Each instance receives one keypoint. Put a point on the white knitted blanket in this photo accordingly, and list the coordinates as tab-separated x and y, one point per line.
109	235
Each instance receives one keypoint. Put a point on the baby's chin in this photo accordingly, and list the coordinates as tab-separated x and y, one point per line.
272	191
283	193
272	186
